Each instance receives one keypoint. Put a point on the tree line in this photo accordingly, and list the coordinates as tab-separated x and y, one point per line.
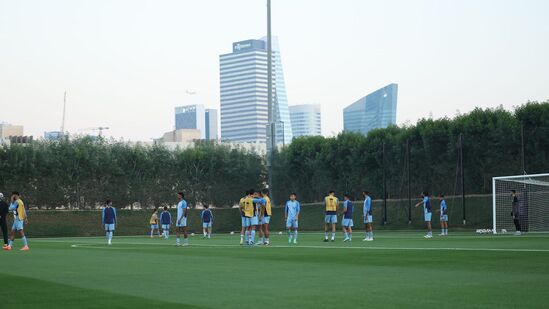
351	162
84	172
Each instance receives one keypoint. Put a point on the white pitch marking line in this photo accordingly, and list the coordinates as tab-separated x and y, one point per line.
99	246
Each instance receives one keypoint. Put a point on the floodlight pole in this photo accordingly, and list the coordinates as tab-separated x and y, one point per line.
522	147
271	127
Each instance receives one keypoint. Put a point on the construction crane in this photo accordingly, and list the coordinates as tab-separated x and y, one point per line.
100	129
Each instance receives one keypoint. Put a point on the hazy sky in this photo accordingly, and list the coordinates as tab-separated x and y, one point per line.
127	64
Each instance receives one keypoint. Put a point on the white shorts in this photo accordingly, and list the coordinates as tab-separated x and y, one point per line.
428	216
368	219
154	226
206	225
109	227
165	226
291	223
444	218
254	220
330	219
183	222
347	222
266	220
17	225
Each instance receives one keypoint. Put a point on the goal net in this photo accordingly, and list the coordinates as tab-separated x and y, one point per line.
520	201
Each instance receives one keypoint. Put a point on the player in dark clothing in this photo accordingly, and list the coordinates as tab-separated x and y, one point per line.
4	210
516	212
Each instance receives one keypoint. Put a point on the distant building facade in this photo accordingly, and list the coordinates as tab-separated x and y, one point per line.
376	110
306	120
244	98
7	130
191	117
180	136
196	117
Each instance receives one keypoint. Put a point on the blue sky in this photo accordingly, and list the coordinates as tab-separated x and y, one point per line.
127	64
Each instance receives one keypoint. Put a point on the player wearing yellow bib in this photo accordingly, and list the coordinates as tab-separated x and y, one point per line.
248	207
19	220
331	203
153	221
265	217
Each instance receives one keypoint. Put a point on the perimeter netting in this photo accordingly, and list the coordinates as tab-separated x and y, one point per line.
530	208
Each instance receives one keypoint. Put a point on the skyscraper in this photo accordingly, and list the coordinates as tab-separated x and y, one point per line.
305	120
243	81
376	110
198	118
211	124
191	117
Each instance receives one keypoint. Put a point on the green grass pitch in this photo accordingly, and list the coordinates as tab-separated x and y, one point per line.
397	270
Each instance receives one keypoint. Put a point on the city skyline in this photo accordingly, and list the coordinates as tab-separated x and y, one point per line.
125	63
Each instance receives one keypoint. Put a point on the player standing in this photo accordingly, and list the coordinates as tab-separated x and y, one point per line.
243	231
443	216
266	214
259	203
250	212
207	219
4	210
291	214
166	221
515	212
19	220
347	221
154	222
367	213
427	212
181	221
331	203
108	217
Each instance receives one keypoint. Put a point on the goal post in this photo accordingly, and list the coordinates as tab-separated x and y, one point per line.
530	208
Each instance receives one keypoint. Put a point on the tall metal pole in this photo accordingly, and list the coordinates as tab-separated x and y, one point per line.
462	177
408	174
270	129
384	185
522	147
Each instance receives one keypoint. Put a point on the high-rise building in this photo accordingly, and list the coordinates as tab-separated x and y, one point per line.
191	117
196	117
211	124
243	81
305	120
376	110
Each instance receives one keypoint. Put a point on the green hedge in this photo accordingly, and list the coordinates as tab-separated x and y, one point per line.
88	223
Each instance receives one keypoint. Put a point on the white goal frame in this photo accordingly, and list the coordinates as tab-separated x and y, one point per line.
494	193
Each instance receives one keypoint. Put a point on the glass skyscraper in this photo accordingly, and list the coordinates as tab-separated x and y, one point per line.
305	120
376	110
243	90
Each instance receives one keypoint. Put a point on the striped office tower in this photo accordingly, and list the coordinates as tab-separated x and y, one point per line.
243	81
